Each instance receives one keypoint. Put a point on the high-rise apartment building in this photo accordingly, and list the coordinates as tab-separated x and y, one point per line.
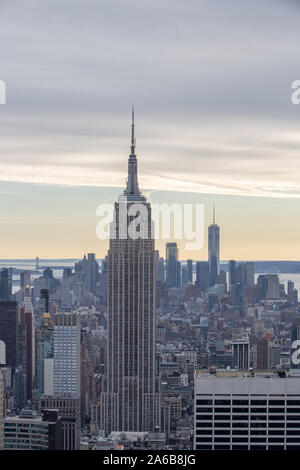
269	285
66	381
25	279
245	274
160	263
44	301
131	397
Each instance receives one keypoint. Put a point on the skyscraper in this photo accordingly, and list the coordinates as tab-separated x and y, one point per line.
8	331
44	301
5	284
232	272
213	251
202	275
131	398
189	264
173	266
45	350
29	357
66	355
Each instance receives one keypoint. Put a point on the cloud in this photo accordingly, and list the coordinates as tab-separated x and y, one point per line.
211	84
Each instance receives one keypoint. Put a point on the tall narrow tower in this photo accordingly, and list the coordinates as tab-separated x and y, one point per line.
213	250
131	397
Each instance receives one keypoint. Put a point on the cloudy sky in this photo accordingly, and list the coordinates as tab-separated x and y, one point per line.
211	84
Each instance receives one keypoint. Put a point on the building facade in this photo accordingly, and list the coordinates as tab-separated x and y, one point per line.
30	431
131	397
238	411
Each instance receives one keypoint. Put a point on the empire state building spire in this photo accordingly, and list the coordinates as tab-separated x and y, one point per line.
130	400
132	190
132	133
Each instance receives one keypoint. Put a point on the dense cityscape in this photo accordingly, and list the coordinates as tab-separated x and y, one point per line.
149	232
144	351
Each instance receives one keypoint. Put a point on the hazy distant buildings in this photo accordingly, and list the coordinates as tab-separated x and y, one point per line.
202	275
173	266
232	272
5	284
269	284
19	388
189	265
25	279
213	251
241	283
27	343
245	273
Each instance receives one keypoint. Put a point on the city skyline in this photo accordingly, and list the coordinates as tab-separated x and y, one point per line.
149	227
215	120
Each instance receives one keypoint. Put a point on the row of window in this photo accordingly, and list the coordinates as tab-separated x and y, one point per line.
240	432
205	409
246	402
259	424
247	418
246	439
246	447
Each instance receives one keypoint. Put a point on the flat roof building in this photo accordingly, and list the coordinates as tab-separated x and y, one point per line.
30	431
235	410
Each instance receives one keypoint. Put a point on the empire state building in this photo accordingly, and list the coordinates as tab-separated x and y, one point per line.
131	397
